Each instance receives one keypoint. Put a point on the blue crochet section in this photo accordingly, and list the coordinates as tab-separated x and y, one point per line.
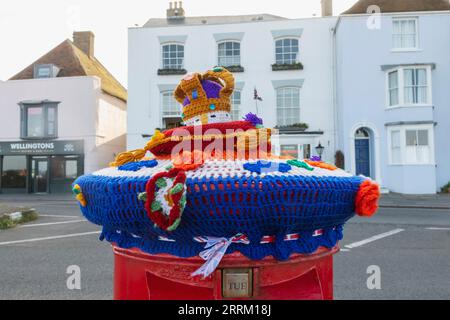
267	166
223	207
136	166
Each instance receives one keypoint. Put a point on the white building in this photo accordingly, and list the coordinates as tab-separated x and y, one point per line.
289	62
62	116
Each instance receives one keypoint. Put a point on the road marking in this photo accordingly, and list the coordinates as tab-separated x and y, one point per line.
374	238
438	229
50	223
344	250
57	216
49	238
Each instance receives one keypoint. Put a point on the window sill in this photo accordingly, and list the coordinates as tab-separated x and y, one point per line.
400	50
169	72
410	106
38	138
412	165
234	69
284	67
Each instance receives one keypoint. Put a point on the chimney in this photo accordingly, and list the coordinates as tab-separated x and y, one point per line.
84	40
175	11
327	8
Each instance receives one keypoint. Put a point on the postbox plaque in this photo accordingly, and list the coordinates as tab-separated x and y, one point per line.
237	283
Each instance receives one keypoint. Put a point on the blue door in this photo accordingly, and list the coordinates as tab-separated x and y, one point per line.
362	157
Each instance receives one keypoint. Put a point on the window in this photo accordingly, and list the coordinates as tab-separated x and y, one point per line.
39	120
393	88
409	86
417	146
45	71
64	167
288	106
170	107
289	150
171	110
411	145
286	51
236	105
14	172
173	56
415	86
405	35
229	54
396	147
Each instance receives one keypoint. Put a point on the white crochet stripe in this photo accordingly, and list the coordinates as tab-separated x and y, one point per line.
223	168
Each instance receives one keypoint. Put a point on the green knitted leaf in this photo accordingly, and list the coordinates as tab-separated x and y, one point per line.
174	225
169	167
177	188
156	205
143	196
161	183
300	164
183	201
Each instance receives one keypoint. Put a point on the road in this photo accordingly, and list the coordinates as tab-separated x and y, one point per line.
411	247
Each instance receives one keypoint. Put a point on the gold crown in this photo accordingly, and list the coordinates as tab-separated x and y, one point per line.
199	104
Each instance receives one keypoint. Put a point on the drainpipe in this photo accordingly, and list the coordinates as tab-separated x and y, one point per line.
334	82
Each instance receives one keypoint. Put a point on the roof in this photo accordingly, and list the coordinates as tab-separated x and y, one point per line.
400	6
208	20
73	62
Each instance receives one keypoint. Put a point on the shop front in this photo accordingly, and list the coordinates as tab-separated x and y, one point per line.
40	166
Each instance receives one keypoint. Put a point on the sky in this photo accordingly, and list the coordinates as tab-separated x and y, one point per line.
31	28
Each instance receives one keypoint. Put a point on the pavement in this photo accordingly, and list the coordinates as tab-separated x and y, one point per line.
396	200
411	247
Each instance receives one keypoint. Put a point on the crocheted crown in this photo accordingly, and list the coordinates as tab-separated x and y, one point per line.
206	97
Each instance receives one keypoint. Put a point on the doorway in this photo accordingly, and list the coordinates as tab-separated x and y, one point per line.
363	152
39	175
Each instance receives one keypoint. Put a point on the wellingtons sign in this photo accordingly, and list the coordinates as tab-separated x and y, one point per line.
42	147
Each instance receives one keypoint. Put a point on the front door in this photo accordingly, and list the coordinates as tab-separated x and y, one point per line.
362	153
39	175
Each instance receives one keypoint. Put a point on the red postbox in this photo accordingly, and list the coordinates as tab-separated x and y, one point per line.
140	276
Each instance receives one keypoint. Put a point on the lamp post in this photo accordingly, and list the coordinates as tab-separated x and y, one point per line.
319	150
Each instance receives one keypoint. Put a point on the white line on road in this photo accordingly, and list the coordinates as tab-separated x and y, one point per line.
374	238
50	223
438	229
49	238
344	250
57	216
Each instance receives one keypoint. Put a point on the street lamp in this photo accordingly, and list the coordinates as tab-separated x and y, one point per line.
319	150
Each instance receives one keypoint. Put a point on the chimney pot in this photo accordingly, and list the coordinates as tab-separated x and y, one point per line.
327	8
84	40
175	11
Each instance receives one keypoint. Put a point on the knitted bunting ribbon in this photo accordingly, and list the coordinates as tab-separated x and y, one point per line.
215	249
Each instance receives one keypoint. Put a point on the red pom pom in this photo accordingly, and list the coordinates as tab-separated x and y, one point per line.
366	201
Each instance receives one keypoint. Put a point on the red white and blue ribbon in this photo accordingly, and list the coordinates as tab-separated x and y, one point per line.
215	249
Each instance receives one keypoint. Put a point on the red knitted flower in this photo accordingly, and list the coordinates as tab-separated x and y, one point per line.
366	202
166	198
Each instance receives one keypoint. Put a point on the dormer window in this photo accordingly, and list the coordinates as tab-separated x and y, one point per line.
42	71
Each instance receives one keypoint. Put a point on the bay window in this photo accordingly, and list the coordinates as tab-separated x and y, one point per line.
409	86
411	145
